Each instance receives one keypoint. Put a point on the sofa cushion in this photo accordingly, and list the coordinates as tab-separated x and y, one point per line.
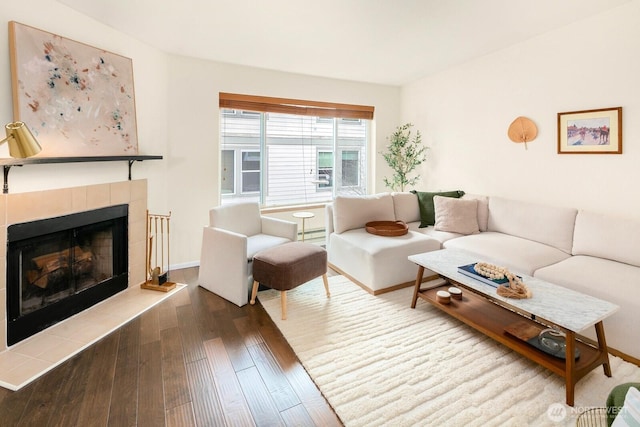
608	280
440	236
259	242
328	218
351	212
545	224
515	253
483	209
425	202
406	207
607	237
456	215
378	262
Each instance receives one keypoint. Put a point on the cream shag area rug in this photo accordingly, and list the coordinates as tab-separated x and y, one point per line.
379	362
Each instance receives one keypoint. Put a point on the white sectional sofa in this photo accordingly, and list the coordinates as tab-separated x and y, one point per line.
596	254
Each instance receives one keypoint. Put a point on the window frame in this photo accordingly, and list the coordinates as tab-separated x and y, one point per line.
242	171
325	112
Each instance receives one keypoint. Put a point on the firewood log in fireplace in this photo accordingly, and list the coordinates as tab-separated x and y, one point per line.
52	266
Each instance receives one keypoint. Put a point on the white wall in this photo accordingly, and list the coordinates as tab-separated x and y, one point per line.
171	92
149	68
464	114
193	157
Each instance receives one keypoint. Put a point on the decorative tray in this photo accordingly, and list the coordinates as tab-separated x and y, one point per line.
553	345
540	339
387	228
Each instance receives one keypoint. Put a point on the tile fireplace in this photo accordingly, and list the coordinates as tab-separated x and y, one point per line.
63	245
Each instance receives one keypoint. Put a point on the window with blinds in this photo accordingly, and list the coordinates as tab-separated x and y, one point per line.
284	152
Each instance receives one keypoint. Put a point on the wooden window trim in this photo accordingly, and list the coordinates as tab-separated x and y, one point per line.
300	107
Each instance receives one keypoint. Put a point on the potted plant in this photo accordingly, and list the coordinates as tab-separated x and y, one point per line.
404	153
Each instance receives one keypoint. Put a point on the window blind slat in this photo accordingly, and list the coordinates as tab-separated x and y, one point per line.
266	104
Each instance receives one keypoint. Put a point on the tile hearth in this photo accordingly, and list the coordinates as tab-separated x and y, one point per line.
33	357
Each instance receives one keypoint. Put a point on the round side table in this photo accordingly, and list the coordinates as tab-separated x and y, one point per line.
304	216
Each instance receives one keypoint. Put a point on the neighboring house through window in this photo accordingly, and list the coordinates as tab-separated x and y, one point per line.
325	169
283	152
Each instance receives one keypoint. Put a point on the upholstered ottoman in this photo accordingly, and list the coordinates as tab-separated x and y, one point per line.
287	266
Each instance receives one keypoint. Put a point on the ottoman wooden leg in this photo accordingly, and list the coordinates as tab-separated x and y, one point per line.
283	303
326	284
254	291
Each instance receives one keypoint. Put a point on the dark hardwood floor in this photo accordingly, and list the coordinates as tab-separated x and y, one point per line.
193	360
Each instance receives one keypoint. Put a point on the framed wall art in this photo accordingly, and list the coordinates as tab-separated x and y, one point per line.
590	131
77	100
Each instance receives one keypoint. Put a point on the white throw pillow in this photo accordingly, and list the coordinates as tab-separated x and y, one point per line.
629	415
456	215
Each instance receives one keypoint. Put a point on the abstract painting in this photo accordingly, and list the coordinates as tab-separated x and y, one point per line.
77	100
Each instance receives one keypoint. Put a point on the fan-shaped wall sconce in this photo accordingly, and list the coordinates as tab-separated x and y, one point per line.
522	130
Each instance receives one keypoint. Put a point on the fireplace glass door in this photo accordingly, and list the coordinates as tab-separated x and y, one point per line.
59	266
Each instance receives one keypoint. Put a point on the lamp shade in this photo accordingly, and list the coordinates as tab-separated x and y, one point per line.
22	143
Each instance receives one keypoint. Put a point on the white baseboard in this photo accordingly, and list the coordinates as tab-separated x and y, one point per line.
184	265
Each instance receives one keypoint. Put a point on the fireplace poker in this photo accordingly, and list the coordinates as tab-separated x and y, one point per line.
162	245
168	250
156	233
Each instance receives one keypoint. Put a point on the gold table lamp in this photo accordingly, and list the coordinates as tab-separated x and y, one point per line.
22	143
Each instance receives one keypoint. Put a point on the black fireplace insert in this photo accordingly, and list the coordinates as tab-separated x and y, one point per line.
57	267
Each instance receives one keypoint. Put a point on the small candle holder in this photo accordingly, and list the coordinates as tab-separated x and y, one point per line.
443	297
456	293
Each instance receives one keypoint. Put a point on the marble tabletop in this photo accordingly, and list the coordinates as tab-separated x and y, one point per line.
564	307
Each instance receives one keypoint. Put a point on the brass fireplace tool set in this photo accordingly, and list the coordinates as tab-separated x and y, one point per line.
157	274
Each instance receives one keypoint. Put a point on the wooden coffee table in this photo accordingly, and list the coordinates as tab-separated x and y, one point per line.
550	306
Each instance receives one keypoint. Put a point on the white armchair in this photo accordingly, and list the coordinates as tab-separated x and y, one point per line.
235	234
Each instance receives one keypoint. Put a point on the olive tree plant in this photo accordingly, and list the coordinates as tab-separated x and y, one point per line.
404	153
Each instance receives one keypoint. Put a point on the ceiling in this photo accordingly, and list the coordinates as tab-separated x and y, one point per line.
378	41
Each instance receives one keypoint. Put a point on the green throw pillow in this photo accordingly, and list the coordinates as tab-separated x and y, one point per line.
425	201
